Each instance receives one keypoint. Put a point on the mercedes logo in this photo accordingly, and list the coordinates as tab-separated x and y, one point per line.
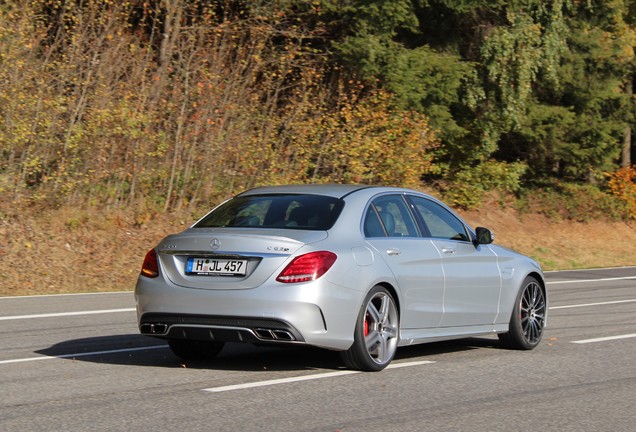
215	244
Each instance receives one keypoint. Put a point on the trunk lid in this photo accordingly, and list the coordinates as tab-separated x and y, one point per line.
229	258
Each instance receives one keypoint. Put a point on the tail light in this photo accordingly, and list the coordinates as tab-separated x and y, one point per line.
150	267
307	267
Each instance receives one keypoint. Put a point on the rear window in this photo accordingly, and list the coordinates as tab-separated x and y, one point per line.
293	211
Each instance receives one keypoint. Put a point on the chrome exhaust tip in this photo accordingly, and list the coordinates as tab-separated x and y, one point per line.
274	334
153	328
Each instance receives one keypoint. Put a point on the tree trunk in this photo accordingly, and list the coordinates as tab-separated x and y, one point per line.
626	155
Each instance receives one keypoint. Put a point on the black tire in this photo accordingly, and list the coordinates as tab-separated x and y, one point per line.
528	317
195	350
376	334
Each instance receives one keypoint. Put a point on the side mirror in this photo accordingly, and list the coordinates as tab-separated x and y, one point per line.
484	236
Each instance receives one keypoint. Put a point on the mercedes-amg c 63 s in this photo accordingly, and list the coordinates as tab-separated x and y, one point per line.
358	269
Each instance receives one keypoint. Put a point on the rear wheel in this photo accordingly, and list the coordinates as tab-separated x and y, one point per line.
528	317
376	333
195	350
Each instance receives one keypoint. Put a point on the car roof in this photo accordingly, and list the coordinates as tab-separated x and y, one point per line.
333	190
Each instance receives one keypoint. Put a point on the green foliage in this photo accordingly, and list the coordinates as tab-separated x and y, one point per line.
511	56
577	202
497	78
468	187
374	46
591	99
529	43
540	140
430	82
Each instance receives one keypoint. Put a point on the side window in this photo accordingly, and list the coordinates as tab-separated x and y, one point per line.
440	222
372	225
389	216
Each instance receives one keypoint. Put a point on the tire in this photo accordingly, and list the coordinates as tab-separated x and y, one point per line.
528	317
195	350
376	333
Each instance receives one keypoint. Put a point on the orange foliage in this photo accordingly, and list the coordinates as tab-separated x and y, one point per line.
622	183
98	113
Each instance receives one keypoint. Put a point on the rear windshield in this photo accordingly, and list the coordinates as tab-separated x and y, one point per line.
293	211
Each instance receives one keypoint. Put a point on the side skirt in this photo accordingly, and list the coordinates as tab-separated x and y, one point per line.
418	336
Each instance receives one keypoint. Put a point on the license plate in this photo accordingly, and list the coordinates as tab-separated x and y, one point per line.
216	267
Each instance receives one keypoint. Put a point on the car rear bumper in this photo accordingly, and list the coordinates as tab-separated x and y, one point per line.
276	313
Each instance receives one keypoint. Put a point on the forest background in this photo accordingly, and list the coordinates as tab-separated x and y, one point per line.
124	120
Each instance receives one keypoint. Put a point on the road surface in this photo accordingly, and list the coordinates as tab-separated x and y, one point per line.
77	362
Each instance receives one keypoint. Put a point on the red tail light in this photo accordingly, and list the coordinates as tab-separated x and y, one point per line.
150	268
307	267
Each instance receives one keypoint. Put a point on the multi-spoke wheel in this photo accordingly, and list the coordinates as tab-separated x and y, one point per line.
376	333
195	350
528	317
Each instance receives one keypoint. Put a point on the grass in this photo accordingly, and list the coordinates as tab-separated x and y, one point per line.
71	250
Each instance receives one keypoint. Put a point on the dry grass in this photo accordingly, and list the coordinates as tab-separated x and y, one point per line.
66	251
561	244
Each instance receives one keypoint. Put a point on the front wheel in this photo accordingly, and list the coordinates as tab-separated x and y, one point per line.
528	317
195	350
376	333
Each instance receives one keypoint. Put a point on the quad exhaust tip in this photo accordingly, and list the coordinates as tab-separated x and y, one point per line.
274	334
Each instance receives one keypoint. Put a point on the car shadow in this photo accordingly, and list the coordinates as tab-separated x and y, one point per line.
143	351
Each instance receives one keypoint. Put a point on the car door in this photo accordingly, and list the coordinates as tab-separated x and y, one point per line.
472	276
390	228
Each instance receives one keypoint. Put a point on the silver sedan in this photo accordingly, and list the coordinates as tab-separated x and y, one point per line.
357	269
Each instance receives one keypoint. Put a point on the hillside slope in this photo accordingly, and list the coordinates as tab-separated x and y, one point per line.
560	245
68	251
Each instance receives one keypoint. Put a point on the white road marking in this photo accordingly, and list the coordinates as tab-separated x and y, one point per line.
105	311
604	339
590	280
65	295
272	382
83	354
305	378
63	314
590	269
593	304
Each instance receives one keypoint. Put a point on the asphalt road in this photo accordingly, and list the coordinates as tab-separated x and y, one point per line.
77	362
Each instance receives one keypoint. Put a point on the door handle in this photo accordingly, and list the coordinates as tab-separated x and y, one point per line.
448	251
393	252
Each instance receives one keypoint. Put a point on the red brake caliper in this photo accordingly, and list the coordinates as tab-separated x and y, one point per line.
366	327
